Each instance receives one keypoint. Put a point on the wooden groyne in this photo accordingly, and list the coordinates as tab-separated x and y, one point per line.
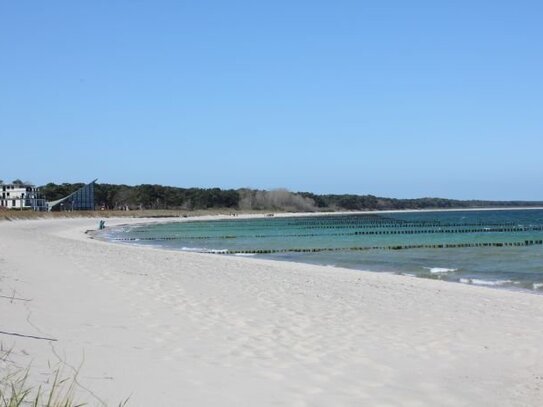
505	229
392	247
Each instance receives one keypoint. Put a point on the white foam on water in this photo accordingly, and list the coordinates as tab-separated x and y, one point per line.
244	254
477	281
203	250
537	286
436	270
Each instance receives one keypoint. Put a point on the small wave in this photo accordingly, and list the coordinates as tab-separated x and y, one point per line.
537	286
436	270
244	254
477	281
203	250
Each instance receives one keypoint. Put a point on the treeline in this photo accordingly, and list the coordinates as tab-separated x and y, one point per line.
112	196
360	202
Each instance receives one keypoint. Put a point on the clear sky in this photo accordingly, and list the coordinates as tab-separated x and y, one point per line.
391	98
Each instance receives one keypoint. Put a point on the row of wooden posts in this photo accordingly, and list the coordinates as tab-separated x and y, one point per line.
407	225
382	226
394	247
358	233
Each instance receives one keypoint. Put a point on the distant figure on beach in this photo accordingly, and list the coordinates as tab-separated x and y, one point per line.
102	224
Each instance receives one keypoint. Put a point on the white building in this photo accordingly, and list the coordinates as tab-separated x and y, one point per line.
20	196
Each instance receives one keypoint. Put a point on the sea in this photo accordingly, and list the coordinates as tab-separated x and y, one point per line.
495	248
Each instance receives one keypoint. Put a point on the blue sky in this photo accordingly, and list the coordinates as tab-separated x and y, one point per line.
391	98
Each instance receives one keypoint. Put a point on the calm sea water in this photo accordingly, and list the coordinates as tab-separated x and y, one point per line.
494	248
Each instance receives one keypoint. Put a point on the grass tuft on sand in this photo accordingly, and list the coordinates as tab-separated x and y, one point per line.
57	390
15	391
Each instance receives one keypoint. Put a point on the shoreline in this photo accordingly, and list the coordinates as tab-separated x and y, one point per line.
225	212
147	221
475	281
241	216
174	328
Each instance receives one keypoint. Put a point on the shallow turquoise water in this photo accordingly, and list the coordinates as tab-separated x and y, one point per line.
495	248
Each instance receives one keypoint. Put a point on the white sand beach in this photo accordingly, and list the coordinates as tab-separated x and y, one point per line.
172	328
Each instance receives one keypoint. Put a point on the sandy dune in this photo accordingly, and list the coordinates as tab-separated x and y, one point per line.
186	329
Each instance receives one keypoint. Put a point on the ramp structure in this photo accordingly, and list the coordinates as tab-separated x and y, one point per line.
80	200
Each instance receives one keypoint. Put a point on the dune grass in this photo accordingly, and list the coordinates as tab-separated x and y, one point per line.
15	391
56	390
59	391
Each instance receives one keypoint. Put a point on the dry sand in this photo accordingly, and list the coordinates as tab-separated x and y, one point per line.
185	329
